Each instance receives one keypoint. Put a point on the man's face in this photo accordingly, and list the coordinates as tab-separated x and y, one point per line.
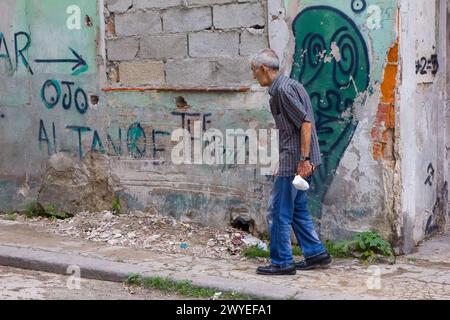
260	74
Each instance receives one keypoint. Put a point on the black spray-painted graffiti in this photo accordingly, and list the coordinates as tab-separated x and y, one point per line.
136	141
137	136
437	220
187	119
332	80
51	95
78	60
430	178
22	42
427	65
358	6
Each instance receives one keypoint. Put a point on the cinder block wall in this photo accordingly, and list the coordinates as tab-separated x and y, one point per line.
183	43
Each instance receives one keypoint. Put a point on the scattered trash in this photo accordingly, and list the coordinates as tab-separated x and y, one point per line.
216	296
184	245
262	246
154	232
250	241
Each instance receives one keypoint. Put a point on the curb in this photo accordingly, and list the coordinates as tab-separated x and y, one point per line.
107	270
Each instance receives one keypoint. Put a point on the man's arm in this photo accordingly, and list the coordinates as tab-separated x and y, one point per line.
305	169
296	112
305	146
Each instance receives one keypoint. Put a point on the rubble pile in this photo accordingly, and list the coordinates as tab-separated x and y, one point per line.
153	232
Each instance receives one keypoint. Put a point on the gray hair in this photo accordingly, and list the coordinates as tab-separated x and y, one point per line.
266	57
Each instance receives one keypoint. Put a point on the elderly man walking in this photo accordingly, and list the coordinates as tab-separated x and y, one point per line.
299	154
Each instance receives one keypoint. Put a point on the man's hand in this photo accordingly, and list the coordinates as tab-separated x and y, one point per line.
274	169
305	169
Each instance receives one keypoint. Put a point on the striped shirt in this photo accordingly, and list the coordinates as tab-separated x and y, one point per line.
291	106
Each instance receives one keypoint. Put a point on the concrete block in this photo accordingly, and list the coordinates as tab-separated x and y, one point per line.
207	2
213	44
182	20
151	4
238	15
252	42
189	72
119	6
122	49
164	46
232	71
138	23
142	73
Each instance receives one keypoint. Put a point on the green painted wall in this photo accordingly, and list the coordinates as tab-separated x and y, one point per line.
340	54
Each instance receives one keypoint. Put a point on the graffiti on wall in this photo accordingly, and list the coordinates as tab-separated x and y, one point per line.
430	172
331	60
22	42
436	221
426	66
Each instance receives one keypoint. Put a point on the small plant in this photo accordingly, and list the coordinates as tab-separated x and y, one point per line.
371	244
52	212
296	251
116	207
134	279
184	288
33	210
367	246
339	249
10	215
256	252
412	259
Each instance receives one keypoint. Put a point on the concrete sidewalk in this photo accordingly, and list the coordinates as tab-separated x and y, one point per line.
425	275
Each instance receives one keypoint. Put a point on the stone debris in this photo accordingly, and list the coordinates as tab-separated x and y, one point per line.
153	232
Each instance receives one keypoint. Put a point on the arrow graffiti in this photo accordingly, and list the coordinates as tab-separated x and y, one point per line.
80	63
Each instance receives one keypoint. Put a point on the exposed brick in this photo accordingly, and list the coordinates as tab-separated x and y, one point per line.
189	72
214	44
138	23
164	46
390	117
142	73
119	6
393	54
239	15
252	42
389	84
110	28
383	130
377	151
122	49
150	4
181	19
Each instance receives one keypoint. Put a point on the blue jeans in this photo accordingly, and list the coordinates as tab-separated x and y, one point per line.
289	207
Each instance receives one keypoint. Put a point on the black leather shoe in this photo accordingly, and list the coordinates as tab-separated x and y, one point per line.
323	260
274	270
